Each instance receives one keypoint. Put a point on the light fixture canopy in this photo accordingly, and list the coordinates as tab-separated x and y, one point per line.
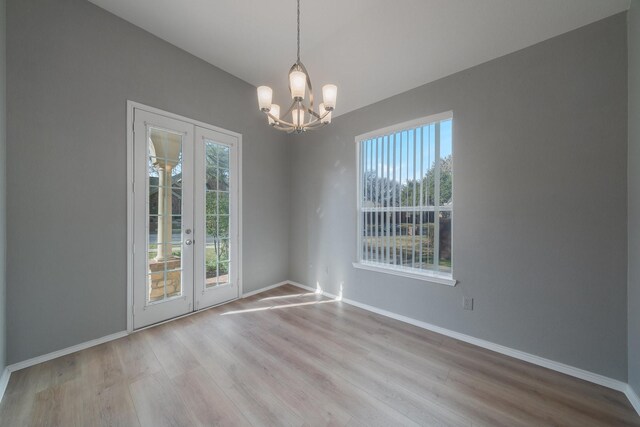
299	86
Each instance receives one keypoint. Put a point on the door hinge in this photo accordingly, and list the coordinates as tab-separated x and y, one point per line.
133	310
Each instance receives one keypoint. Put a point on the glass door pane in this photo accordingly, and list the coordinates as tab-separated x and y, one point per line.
164	209
216	212
163	218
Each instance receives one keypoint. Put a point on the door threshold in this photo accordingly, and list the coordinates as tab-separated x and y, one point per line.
182	316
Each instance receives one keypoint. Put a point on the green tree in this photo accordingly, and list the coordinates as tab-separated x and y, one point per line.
426	186
381	191
217	207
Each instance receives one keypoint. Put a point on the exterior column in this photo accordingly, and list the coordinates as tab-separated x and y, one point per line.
165	211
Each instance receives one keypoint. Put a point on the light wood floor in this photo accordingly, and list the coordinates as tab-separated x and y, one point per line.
289	357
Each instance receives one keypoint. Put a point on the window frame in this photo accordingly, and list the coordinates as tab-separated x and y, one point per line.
424	275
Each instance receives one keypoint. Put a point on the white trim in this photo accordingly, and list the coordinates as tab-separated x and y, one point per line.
266	288
633	398
517	354
4	381
65	351
239	215
359	190
426	276
405	125
182	316
317	290
130	214
131	106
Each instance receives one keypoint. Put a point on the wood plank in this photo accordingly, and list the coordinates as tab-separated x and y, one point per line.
115	407
136	357
249	391
157	403
292	357
206	401
309	404
175	358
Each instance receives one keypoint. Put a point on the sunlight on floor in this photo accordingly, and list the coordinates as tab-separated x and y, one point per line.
288	296
275	307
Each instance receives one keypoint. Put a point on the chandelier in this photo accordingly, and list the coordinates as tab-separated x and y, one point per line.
303	117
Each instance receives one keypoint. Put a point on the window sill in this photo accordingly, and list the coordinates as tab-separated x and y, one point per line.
427	276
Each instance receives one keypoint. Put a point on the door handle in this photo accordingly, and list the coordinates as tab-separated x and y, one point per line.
188	242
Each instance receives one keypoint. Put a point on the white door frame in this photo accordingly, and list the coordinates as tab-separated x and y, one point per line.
131	106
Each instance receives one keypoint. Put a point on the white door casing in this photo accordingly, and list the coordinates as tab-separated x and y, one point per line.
181	262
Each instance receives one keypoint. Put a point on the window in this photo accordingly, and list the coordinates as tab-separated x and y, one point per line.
405	199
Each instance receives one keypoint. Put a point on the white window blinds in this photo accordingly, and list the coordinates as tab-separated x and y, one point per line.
405	201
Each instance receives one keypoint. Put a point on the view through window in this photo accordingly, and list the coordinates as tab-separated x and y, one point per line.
406	195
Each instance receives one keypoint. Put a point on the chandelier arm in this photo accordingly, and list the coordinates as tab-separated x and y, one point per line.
313	113
306	73
293	104
309	109
281	122
316	122
288	129
291	129
316	126
312	122
318	116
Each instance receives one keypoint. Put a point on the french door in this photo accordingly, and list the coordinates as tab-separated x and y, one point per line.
185	217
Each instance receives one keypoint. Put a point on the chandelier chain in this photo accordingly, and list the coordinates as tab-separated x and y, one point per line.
298	31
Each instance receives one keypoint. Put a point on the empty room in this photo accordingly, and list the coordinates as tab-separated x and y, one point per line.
319	213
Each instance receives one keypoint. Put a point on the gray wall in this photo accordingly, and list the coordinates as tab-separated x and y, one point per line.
540	201
71	68
634	195
3	133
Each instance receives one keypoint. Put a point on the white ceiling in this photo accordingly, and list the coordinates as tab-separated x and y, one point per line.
371	49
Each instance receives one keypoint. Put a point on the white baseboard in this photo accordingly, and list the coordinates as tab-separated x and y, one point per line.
4	382
536	360
310	289
521	355
266	288
633	398
59	353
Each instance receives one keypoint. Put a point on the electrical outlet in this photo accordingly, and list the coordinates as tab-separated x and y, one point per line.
467	303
